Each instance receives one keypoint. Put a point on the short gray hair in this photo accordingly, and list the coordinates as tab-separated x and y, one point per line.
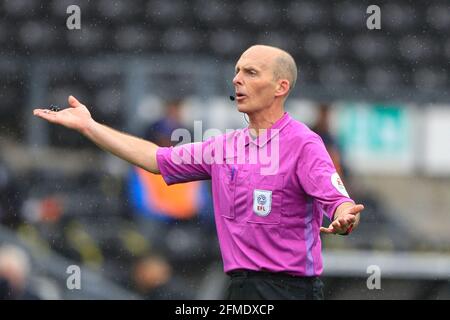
285	68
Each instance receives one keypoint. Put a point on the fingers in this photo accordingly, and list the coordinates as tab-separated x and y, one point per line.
350	219
327	230
356	209
38	112
73	102
340	223
45	114
347	219
343	223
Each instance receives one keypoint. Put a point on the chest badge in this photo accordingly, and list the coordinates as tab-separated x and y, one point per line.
262	202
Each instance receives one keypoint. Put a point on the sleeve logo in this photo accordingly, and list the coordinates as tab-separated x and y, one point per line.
338	184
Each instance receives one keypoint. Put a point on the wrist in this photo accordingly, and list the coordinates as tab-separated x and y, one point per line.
87	129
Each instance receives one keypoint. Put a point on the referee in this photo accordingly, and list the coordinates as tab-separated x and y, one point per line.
272	182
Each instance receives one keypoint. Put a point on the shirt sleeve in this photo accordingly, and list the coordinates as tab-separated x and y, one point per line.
319	178
188	162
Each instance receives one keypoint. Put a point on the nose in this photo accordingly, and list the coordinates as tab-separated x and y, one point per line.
237	79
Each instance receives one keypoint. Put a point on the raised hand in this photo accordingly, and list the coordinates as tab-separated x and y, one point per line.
76	117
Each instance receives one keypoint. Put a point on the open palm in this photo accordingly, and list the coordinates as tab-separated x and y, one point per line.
76	117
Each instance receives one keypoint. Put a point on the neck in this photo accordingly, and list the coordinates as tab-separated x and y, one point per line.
264	119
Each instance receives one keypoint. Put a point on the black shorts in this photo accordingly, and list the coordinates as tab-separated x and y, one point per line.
253	285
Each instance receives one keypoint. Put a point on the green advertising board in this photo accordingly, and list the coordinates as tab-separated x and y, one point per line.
376	137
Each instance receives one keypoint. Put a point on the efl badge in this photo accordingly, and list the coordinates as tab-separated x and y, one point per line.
262	202
337	183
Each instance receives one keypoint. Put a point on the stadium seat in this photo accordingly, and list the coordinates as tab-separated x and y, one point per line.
438	16
37	35
180	40
350	15
339	74
415	48
398	17
228	43
320	46
88	39
371	47
21	8
166	13
134	37
306	15
430	78
116	9
108	105
258	13
382	78
214	13
280	38
446	50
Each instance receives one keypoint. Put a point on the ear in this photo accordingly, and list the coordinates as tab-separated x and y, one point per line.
282	88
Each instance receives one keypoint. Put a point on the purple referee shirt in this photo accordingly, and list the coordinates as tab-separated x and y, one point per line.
269	194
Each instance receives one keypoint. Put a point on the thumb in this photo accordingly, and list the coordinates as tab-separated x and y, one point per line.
356	209
73	102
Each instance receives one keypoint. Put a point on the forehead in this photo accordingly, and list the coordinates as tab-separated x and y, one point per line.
257	58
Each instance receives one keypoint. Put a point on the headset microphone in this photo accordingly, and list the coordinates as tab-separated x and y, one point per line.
232	98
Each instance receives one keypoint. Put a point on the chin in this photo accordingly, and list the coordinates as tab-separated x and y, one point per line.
243	108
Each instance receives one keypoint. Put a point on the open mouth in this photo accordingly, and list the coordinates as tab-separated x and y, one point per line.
240	96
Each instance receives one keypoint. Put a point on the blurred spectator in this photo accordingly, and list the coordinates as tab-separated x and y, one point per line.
150	195
49	225
322	128
161	130
175	219
14	272
10	198
154	279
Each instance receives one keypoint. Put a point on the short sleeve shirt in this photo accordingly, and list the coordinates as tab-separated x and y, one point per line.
269	194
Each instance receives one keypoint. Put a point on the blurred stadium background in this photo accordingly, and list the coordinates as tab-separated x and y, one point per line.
65	202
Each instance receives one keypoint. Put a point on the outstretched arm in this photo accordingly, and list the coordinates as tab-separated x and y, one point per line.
137	151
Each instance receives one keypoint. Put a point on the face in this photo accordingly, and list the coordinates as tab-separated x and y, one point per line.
253	81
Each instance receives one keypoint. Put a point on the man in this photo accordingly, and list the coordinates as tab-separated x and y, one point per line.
268	219
15	270
322	128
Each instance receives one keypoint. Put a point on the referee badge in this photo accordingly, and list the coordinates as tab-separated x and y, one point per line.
338	185
262	202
